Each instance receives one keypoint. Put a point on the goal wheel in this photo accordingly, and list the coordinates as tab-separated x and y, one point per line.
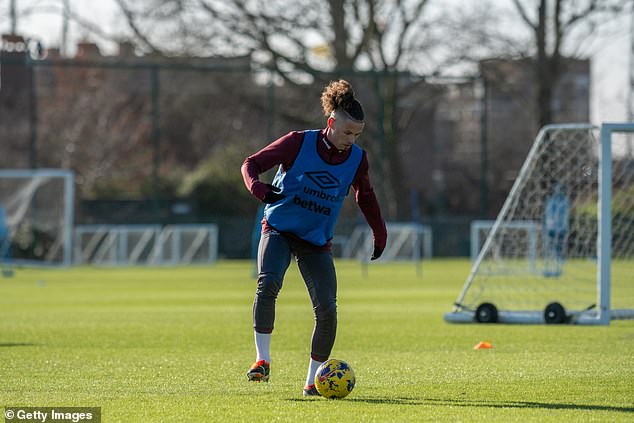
486	313
555	313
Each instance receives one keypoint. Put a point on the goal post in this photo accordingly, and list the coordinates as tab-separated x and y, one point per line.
623	226
575	194
36	217
406	242
524	229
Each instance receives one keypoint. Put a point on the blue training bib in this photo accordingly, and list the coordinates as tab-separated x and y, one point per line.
314	191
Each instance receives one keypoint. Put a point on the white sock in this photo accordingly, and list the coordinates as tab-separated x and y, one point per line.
312	369
263	346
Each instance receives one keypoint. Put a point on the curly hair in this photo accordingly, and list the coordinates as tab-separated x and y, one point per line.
339	95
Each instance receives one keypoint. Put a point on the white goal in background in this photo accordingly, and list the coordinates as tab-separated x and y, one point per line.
36	217
526	232
573	262
127	245
405	242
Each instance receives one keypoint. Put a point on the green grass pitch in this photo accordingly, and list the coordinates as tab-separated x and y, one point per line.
174	344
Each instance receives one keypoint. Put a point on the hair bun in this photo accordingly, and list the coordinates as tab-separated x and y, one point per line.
345	99
340	95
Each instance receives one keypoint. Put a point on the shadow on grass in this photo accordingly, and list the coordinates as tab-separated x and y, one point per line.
16	344
482	403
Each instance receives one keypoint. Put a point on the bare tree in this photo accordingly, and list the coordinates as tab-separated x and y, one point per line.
558	26
393	41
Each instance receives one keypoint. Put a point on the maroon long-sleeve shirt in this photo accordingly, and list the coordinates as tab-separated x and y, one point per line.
284	151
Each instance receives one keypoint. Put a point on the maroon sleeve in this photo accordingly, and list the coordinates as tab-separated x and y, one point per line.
369	204
283	152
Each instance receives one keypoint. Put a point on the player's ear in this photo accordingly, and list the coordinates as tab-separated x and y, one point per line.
331	121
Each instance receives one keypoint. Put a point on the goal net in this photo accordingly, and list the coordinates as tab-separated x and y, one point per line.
562	246
36	217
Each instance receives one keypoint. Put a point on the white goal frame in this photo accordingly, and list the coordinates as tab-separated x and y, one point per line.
602	314
531	229
604	242
415	239
67	220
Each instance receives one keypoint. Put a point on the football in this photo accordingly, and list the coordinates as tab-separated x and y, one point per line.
334	379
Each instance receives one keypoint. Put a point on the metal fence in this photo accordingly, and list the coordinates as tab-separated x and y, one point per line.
118	245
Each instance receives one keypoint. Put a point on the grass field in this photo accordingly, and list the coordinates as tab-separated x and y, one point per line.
174	344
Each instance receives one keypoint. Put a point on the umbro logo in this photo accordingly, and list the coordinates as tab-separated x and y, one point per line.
323	179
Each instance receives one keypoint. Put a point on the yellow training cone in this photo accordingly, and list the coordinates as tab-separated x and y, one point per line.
483	345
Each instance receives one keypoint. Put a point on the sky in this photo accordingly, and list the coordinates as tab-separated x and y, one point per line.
610	58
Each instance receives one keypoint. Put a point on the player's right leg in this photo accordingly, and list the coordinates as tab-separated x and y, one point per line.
274	256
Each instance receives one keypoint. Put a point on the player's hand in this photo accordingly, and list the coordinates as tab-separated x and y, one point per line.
273	195
376	253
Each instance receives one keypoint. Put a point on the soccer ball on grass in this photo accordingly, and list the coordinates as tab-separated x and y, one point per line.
334	379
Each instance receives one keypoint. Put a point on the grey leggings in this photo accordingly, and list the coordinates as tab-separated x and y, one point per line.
317	270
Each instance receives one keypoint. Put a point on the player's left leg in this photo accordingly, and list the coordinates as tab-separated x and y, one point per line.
318	272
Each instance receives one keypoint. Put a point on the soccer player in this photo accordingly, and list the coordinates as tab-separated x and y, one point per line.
316	170
5	241
556	217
